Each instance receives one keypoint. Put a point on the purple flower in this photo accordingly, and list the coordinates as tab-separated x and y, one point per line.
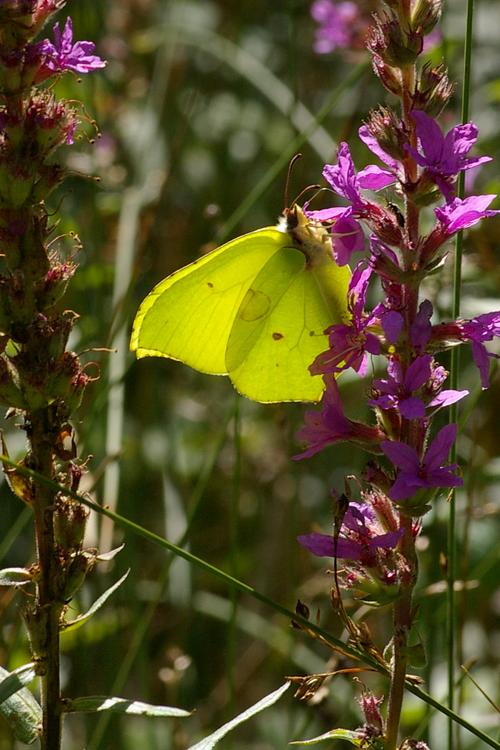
336	24
347	235
386	176
421	328
358	538
64	55
444	156
461	214
396	391
330	425
350	343
483	328
415	474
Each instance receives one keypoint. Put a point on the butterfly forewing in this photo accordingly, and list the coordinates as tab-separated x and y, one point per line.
189	315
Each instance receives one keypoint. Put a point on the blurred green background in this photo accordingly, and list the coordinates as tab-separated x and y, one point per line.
199	110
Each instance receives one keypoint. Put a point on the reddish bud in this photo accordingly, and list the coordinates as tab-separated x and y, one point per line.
387	129
387	39
384	224
433	90
389	77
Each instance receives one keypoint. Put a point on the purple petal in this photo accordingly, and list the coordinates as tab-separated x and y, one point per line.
347	238
405	486
461	214
429	134
329	214
387	541
401	455
412	408
437	452
322	545
447	398
444	477
358	286
375	178
421	328
392	322
374	147
482	360
418	373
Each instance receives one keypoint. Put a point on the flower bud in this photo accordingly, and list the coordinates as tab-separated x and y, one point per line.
54	284
35	618
389	77
384	224
386	128
387	39
433	90
370	705
425	15
70	519
76	573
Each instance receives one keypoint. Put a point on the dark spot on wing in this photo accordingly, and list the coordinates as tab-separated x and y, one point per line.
277	336
209	283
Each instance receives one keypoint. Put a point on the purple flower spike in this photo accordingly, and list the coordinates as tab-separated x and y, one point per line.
415	474
64	55
461	214
444	156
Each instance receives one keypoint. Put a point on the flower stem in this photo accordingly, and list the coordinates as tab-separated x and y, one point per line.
48	607
402	620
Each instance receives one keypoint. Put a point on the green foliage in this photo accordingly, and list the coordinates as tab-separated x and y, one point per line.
17	704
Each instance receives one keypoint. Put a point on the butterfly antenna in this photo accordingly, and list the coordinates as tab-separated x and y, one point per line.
293	161
317	188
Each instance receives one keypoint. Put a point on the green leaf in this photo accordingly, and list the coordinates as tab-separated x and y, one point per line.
18	706
96	703
335	734
15	577
82	619
211	741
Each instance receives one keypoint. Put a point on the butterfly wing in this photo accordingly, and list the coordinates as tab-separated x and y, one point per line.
189	315
279	328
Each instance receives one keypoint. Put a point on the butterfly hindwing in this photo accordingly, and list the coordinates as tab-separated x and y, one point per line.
278	331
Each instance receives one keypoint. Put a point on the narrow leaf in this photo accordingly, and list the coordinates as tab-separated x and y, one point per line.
17	704
211	741
335	734
11	682
82	619
15	577
106	556
96	703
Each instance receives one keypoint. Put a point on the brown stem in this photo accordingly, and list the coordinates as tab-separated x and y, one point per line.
48	597
403	615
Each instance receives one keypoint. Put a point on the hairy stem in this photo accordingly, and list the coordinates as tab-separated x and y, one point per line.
47	601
